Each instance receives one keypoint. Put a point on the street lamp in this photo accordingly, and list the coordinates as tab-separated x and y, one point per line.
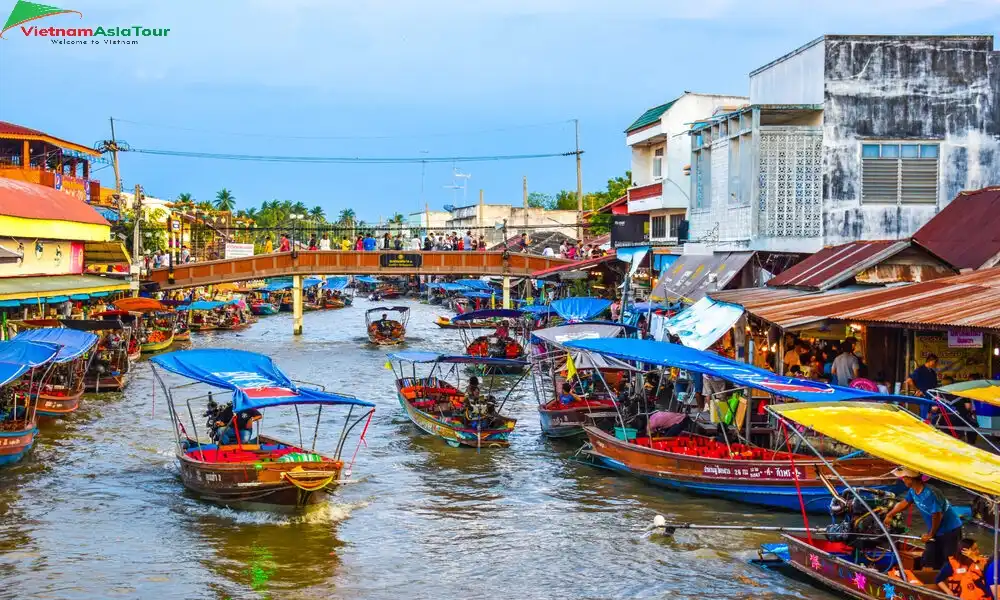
295	219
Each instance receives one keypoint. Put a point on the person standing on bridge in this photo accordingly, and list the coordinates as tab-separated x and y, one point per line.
324	242
345	244
468	242
284	245
268	245
369	242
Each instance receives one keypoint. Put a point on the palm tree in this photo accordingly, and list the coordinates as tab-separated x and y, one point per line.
224	200
184	198
317	214
204	205
300	209
346	216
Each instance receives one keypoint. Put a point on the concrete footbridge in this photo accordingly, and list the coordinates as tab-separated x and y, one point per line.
335	262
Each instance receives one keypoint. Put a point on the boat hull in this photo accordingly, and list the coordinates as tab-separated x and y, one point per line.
182	336
568	423
58	406
454	435
760	482
107	383
157	346
255	485
15	444
263	309
849	578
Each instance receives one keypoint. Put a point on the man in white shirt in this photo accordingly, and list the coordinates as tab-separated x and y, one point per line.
845	366
324	243
548	251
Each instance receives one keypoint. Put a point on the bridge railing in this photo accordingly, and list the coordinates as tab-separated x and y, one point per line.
335	262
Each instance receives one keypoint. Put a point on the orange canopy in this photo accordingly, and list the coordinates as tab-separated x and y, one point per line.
141	305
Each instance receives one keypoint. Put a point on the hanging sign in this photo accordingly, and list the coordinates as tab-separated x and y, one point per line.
965	339
238	250
400	261
629	230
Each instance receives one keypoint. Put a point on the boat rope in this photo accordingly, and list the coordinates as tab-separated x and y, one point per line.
361	440
310	486
798	488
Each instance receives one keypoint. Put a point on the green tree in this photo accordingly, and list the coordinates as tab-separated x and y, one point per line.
541	200
300	208
184	198
317	214
224	200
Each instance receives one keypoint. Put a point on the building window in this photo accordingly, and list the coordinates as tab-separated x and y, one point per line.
675	224
899	173
658	163
658	228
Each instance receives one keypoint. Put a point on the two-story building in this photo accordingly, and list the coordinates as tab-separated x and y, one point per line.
847	138
661	151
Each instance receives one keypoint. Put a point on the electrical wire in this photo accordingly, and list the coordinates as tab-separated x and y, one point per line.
349	159
346	137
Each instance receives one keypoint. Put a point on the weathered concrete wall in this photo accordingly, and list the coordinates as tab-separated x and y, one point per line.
906	88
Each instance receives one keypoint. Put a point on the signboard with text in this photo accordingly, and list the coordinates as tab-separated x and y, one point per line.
238	250
629	230
965	339
400	261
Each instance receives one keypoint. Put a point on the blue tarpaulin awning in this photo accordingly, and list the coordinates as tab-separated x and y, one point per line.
72	343
424	356
580	309
17	357
254	379
79	297
476	284
489	313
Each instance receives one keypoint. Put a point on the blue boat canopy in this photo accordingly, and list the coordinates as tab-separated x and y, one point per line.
202	305
580	309
476	284
17	358
663	354
367	279
99	294
336	283
447	286
395	309
475	294
10	303
254	379
488	313
79	297
72	343
426	356
311	282
56	299
537	309
277	286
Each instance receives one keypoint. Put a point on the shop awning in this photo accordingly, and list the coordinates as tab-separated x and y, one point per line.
702	324
8	257
888	432
583	265
30	290
105	253
694	275
984	390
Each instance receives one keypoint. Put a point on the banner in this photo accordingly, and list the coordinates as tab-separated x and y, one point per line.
965	339
957	363
629	230
703	323
238	250
400	261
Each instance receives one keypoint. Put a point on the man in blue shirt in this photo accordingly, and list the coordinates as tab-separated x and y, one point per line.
369	243
944	527
924	378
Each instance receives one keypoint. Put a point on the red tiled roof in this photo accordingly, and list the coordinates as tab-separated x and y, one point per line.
575	266
14	129
8	128
836	264
967	232
33	201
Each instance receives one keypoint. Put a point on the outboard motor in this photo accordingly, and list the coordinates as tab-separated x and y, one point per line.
211	414
856	526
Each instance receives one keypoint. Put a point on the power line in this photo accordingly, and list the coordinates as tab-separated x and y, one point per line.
350	159
346	137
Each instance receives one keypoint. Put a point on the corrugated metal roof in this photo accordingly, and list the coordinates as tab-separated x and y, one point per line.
966	232
33	201
836	264
971	300
13	129
689	278
576	266
650	116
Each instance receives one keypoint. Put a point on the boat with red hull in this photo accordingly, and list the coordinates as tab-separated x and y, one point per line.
60	392
18	419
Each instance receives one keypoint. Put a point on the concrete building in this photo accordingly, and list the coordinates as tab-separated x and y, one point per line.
848	138
660	153
485	218
418	222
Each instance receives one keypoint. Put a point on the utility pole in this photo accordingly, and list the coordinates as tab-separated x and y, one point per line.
114	158
579	183
136	249
525	198
427	219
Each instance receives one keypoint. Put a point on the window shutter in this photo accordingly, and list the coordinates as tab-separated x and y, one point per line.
919	180
880	180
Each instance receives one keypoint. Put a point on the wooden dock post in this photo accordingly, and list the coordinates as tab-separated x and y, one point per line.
296	305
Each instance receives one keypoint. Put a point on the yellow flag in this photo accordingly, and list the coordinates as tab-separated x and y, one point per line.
493	300
388	365
570	367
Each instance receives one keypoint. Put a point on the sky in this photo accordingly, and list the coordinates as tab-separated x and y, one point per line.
381	78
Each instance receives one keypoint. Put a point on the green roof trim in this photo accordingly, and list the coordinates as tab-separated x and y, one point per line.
650	116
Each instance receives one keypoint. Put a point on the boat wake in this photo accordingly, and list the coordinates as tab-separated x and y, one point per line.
328	513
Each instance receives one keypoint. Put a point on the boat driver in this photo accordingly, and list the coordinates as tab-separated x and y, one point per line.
476	406
244	422
944	527
384	324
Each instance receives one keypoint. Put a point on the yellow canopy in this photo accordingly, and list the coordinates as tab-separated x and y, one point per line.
890	433
983	390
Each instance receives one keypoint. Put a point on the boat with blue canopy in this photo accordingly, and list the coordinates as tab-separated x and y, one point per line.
112	364
580	309
18	419
383	330
735	456
59	393
232	462
472	418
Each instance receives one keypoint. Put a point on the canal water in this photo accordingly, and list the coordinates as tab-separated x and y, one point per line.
98	510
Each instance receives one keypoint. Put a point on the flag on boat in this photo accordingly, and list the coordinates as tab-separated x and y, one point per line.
570	367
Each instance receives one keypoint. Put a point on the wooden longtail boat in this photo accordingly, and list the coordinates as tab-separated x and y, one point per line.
446	323
442	410
549	362
387	332
158	322
263	308
112	366
59	393
859	567
743	472
262	472
18	423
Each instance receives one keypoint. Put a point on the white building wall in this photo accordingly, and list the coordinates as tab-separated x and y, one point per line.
723	225
796	78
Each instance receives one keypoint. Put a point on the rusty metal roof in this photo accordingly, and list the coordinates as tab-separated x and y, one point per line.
971	301
966	233
836	264
691	276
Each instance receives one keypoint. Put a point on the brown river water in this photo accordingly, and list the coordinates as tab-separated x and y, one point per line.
98	510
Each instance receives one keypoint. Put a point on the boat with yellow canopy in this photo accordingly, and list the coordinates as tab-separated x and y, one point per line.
855	561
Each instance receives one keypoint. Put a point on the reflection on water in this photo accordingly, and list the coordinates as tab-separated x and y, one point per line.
98	510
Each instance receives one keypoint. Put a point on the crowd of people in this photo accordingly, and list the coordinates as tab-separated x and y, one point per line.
575	250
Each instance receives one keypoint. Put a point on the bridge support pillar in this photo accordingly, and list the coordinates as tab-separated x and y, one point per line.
506	291
296	305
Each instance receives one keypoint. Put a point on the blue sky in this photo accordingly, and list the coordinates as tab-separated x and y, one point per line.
395	78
